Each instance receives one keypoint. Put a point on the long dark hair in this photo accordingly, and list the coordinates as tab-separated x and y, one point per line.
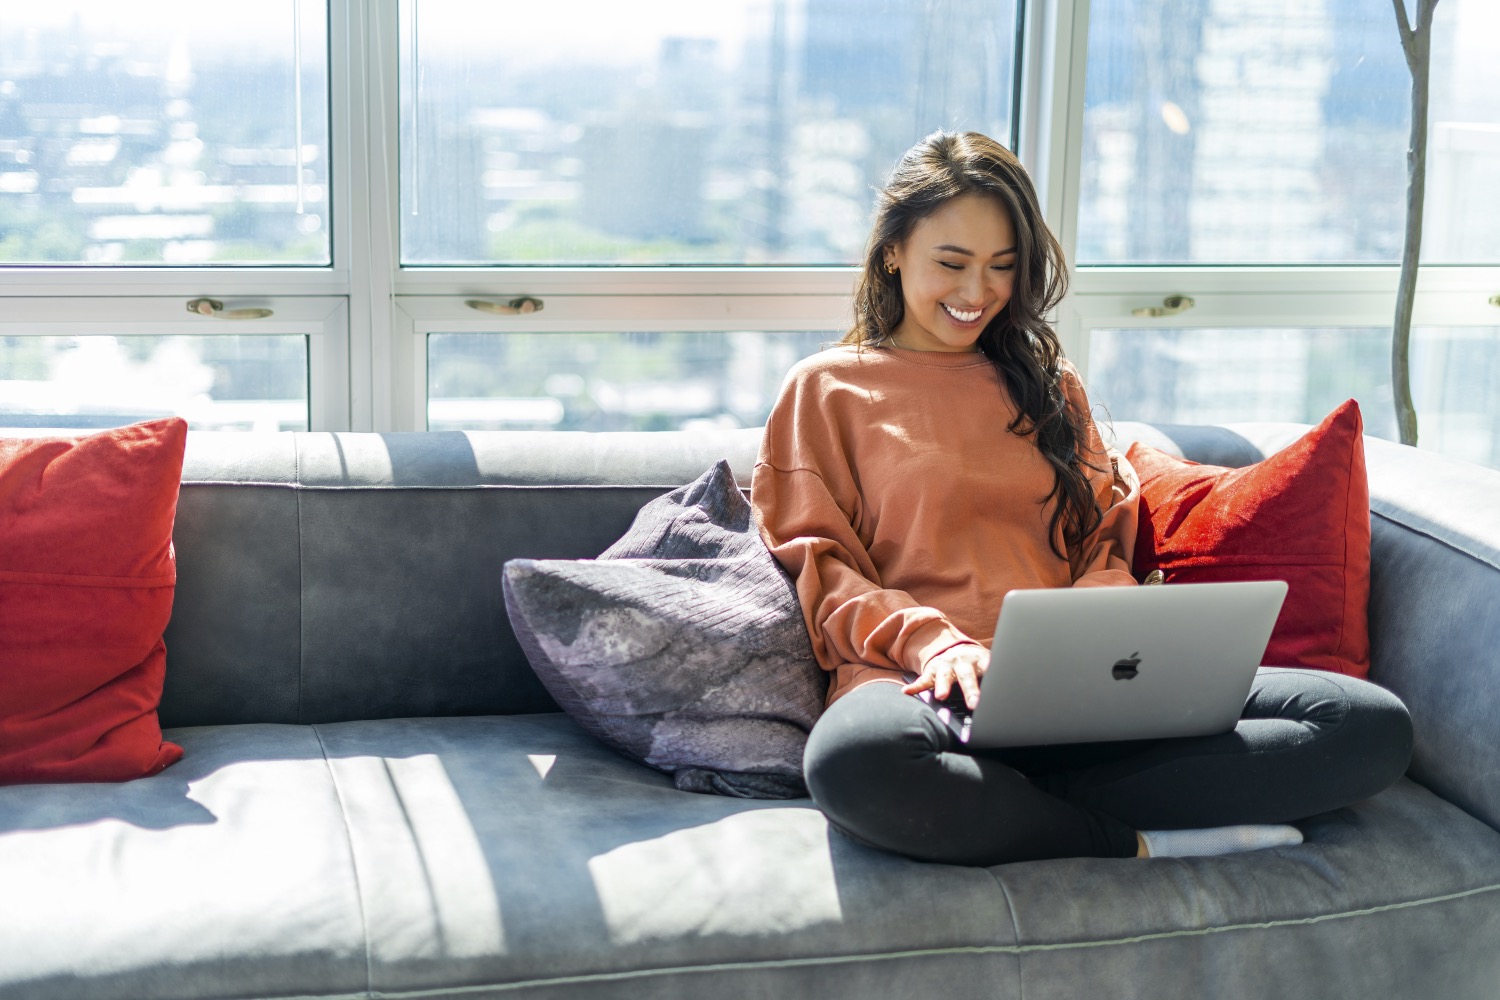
1019	341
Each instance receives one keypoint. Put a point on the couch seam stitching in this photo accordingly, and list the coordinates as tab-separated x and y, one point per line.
1015	926
1424	785
359	894
1018	949
411	829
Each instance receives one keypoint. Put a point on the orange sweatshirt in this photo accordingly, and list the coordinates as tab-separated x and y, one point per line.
891	491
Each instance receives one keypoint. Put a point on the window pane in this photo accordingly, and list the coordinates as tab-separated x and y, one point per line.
1218	376
679	131
164	132
65	385
608	381
1245	131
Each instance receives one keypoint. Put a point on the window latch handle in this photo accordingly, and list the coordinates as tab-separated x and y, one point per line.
1170	306
515	307
215	309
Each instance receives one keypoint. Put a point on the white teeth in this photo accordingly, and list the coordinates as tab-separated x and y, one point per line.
963	316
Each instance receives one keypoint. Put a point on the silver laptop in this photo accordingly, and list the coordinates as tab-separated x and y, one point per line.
1121	663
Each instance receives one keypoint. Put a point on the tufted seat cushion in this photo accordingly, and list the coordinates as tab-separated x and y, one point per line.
512	856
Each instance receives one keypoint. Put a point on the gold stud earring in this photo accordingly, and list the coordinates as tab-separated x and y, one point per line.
890	268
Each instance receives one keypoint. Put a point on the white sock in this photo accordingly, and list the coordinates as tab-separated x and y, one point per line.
1218	840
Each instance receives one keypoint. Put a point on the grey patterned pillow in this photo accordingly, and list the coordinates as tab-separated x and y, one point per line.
682	645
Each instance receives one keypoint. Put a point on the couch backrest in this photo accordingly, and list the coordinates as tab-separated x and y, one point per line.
324	577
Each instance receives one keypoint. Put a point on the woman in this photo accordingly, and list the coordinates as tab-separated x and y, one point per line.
943	455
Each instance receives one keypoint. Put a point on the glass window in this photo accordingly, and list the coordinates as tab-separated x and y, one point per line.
64	385
1239	131
164	132
1194	376
679	131
608	381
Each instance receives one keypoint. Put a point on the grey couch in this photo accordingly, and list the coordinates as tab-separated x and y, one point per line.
380	799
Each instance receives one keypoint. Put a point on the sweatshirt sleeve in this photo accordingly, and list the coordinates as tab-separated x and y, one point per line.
1103	559
806	504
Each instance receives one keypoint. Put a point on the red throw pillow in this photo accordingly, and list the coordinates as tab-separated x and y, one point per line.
86	578
1302	515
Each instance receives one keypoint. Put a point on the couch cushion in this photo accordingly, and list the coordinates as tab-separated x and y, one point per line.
539	860
325	577
682	645
515	856
86	580
1302	515
1403	888
227	875
519	852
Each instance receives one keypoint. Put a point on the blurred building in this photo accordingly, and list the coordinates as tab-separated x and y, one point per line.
644	173
111	155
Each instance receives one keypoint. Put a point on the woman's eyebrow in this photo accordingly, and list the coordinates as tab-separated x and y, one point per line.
969	253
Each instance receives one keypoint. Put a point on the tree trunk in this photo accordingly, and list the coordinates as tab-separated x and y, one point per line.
1416	42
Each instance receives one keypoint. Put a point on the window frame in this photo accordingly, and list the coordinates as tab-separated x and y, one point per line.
417	316
369	316
322	320
1262	297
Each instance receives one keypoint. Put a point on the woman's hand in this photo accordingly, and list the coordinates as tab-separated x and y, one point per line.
963	665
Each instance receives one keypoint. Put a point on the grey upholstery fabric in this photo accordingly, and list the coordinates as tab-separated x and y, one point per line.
227	875
1434	631
358	549
519	458
233	642
682	645
425	601
589	865
516	856
1219	445
235	457
1396	896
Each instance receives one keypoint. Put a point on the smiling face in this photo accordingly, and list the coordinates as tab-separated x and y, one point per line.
957	269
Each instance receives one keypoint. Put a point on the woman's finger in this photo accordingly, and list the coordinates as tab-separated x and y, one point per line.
922	683
968	681
942	681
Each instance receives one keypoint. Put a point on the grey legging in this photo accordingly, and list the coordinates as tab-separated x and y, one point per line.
888	772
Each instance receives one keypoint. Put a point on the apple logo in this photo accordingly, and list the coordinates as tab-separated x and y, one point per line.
1125	669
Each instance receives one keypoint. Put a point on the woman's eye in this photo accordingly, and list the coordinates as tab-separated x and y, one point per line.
1004	267
950	265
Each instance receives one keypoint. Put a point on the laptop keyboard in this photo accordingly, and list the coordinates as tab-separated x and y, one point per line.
960	720
953	712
